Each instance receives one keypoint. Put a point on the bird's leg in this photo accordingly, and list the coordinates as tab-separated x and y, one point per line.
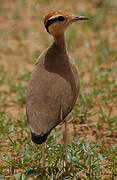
66	140
43	155
65	134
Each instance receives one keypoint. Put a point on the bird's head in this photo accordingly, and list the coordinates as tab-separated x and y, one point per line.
56	22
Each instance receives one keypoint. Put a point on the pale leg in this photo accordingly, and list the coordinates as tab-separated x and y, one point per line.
65	135
66	140
43	155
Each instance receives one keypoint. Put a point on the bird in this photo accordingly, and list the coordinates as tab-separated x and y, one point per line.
54	83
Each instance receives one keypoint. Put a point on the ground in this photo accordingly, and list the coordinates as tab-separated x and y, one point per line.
92	149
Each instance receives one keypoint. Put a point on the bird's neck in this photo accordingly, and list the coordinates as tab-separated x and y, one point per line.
60	42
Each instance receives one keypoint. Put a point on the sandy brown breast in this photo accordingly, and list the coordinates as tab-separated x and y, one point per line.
53	87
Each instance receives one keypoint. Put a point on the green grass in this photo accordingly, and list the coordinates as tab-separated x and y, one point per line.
92	149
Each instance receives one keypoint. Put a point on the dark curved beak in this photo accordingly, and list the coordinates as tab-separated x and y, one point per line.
78	18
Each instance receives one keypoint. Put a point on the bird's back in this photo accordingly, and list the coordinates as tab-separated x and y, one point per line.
52	91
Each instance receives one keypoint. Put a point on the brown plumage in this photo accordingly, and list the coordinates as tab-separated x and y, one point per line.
57	12
54	84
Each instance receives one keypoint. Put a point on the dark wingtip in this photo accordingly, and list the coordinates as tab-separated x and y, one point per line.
38	139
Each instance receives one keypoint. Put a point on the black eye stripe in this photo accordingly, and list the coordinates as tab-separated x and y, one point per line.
61	18
49	22
53	20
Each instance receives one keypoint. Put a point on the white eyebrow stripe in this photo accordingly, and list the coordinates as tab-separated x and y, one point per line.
56	16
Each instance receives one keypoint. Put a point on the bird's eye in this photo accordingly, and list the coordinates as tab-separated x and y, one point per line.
61	18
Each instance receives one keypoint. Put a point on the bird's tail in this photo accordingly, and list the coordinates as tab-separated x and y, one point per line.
38	139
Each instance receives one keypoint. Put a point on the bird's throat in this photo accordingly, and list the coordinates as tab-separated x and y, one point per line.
60	42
